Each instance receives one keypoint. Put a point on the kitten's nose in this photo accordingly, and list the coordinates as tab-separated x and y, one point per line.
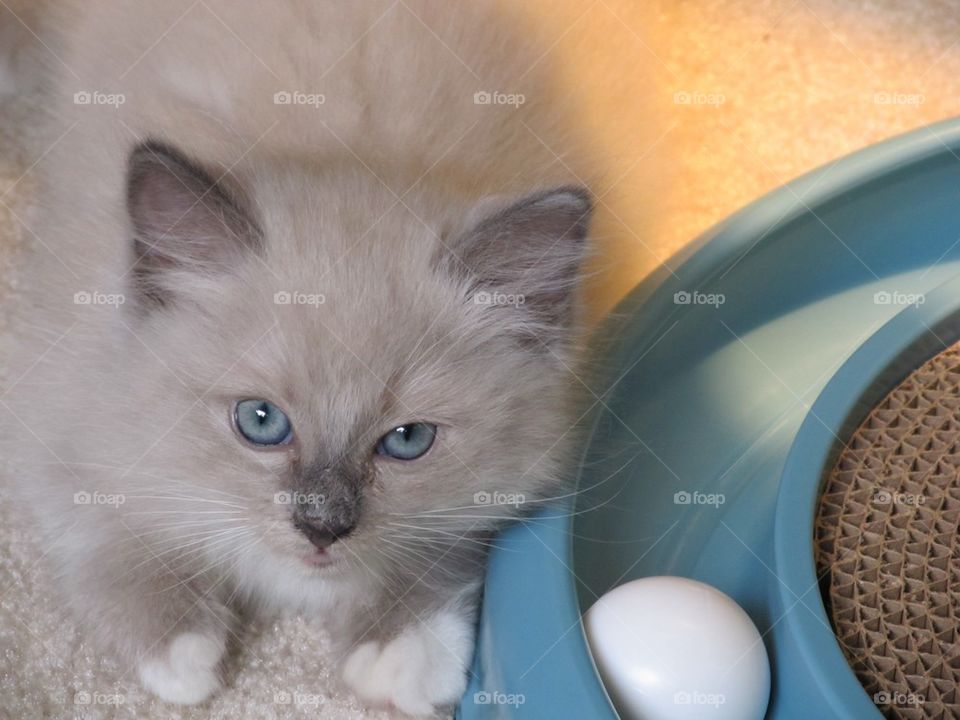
321	534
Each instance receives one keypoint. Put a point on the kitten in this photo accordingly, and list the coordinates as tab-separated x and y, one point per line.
297	316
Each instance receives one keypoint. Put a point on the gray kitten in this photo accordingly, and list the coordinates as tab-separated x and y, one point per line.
296	325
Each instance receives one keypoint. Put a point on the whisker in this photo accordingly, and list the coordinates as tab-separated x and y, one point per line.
184	497
236	552
552	498
183	512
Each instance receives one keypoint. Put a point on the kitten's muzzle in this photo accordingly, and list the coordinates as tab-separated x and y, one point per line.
322	534
328	505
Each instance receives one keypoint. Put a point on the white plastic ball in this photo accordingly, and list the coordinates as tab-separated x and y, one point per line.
671	648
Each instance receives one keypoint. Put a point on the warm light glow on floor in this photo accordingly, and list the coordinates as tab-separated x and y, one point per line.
701	107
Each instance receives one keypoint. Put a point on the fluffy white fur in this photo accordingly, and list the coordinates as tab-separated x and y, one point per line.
187	672
389	189
412	670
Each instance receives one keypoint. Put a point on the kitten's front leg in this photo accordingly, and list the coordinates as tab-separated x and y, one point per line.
420	667
170	628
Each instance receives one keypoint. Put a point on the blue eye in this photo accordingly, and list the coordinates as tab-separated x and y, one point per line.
262	423
407	442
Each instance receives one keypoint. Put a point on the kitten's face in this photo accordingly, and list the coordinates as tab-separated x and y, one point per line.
351	392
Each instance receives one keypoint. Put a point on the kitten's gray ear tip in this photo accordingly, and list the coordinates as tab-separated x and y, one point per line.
570	204
154	154
146	158
151	149
574	203
574	197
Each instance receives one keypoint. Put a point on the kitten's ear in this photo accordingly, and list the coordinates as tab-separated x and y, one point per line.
183	220
528	255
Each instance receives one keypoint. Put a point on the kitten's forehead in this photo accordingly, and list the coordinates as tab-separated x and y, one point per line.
351	264
325	211
341	333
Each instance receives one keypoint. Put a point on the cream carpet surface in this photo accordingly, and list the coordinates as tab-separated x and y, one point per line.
698	108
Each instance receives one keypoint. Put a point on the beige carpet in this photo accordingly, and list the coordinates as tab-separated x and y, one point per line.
698	108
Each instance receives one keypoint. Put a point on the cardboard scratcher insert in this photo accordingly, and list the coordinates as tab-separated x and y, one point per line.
886	545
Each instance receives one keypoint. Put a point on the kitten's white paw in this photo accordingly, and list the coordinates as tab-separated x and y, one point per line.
423	668
187	674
